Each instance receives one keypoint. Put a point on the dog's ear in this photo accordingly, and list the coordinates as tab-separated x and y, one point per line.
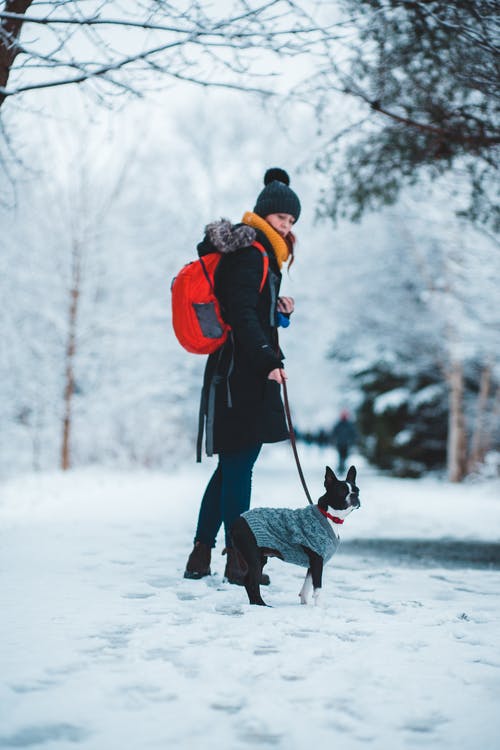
351	475
330	478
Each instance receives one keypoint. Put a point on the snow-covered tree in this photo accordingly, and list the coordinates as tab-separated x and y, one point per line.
423	80
423	332
87	282
123	205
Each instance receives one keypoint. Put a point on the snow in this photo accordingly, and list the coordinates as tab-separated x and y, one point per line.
105	645
391	400
403	437
426	396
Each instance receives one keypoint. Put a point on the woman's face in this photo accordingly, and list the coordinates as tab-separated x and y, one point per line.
281	222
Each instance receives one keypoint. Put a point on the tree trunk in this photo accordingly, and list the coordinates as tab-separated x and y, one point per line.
69	377
10	30
487	442
457	443
478	442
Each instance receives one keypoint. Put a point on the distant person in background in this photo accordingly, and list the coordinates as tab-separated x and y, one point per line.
344	436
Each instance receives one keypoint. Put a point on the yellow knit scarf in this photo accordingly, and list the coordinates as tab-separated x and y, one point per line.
278	243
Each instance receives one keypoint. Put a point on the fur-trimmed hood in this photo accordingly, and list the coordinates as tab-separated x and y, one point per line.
226	237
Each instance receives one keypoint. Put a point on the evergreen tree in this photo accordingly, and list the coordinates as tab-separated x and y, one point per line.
425	75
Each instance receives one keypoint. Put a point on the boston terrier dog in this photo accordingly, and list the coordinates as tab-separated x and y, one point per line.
306	536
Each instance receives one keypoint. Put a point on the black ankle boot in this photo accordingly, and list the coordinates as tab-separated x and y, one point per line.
198	564
264	578
236	567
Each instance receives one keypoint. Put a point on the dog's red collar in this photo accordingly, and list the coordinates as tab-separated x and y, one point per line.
335	519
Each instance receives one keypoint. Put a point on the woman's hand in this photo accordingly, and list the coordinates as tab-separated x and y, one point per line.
286	305
279	375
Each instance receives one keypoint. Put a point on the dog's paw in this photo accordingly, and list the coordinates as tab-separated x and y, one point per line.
303	598
316	596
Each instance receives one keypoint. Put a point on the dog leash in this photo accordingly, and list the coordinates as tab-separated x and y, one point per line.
291	433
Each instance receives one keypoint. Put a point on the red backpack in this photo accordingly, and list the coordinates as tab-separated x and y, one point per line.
196	314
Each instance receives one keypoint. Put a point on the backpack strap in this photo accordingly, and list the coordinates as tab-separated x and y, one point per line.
201	424
206	414
207	275
265	259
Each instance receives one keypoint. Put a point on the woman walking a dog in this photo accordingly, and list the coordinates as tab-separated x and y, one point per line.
241	405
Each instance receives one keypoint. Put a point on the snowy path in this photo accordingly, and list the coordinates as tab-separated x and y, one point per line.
104	645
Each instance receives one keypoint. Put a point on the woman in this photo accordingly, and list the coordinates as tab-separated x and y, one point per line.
241	403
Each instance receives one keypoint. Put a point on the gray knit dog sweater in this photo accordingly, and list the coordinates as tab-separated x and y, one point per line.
286	530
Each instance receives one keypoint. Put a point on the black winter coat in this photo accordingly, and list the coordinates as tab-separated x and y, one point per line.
239	405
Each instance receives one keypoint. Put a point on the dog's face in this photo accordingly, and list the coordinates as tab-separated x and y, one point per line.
342	495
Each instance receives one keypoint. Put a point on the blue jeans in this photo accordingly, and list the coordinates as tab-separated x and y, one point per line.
227	495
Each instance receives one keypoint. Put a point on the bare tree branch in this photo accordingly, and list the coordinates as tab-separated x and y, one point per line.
154	32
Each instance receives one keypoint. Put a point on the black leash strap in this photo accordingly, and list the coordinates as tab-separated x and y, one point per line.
293	441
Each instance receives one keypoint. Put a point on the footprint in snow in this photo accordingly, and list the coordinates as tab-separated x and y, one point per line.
232	610
291	677
161	582
113	640
265	650
161	654
133	595
352	636
142	694
424	724
302	633
186	596
33	687
260	737
227	705
383	608
122	562
43	733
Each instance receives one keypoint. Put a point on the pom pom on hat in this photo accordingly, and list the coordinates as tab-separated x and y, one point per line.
277	197
275	173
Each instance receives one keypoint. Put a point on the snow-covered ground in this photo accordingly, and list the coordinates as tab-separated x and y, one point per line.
104	645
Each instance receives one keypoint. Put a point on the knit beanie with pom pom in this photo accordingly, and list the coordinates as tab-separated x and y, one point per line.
277	197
